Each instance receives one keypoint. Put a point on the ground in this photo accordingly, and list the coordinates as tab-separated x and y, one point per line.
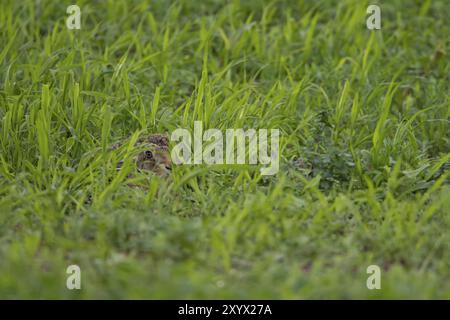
364	149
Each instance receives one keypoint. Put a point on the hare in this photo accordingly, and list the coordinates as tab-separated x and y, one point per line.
155	157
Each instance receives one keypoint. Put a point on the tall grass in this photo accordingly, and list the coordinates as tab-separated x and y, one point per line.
363	117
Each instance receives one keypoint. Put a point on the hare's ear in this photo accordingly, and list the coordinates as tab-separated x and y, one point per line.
162	139
167	136
157	139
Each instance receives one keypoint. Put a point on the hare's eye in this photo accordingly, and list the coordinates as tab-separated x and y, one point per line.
148	154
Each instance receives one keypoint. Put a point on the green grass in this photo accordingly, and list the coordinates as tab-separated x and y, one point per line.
364	167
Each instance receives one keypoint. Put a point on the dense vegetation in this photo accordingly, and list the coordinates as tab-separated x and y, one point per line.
364	160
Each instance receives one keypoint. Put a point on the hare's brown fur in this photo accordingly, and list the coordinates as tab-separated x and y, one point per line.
155	156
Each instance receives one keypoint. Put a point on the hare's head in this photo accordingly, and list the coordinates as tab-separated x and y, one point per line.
155	156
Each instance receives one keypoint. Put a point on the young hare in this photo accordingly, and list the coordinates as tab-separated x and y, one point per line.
155	156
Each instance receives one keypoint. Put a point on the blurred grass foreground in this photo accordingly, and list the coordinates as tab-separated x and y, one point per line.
364	149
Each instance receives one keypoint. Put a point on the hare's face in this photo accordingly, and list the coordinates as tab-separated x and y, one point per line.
155	155
156	159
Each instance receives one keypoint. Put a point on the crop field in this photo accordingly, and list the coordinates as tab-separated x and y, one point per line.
364	150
